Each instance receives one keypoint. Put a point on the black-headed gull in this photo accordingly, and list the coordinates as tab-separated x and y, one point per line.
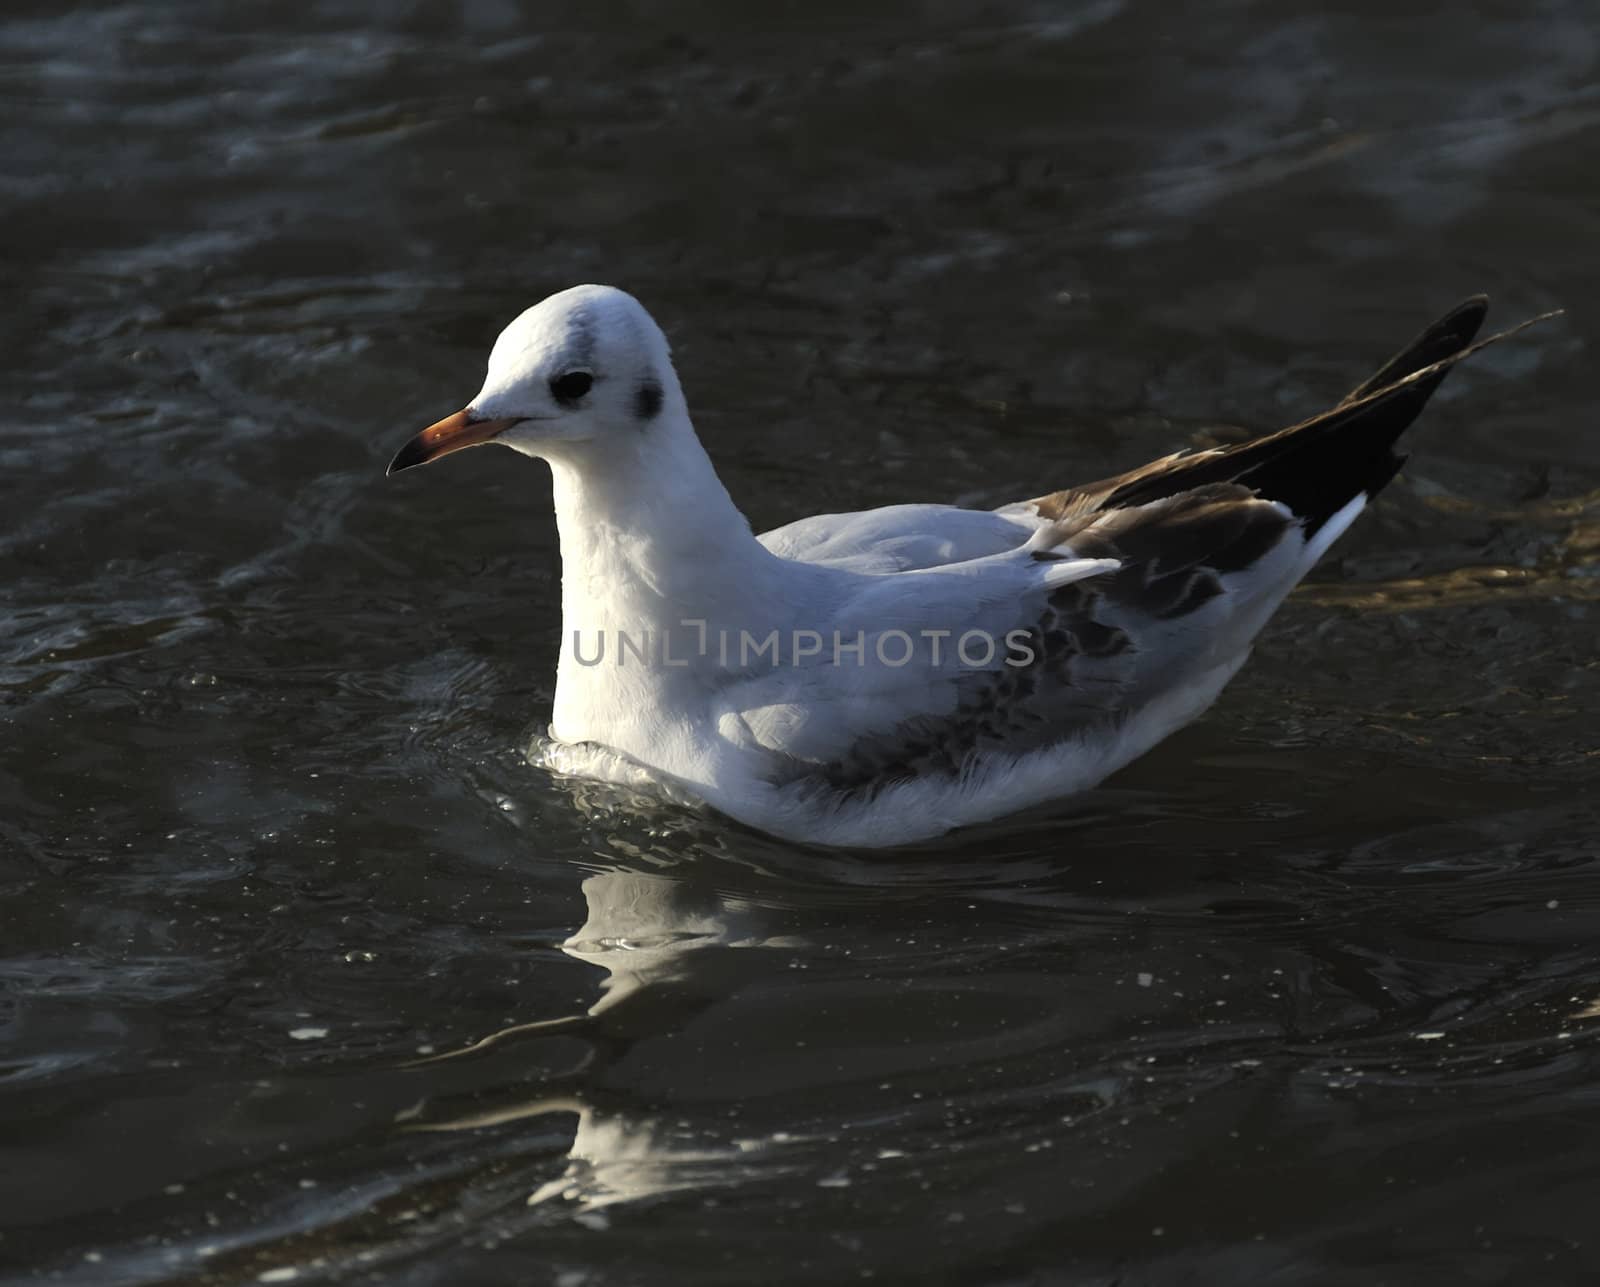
882	677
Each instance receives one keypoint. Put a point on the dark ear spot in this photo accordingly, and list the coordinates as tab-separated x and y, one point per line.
647	401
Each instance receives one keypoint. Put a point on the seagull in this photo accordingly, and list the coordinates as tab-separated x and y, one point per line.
882	677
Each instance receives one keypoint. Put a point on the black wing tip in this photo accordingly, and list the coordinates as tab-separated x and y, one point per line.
1318	465
1464	320
1437	342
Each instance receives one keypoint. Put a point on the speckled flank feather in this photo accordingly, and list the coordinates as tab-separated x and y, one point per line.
1085	665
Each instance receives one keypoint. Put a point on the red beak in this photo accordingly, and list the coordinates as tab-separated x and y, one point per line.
450	434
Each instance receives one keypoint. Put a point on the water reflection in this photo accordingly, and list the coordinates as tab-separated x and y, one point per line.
767	1016
1009	1029
767	1019
670	946
686	943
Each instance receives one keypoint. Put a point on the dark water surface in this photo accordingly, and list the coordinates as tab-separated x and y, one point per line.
1310	995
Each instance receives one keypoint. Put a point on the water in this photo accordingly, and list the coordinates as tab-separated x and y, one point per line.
1308	995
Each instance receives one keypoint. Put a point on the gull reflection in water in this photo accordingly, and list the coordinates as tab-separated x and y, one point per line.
670	947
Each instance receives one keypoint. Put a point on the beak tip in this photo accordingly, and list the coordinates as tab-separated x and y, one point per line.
412	454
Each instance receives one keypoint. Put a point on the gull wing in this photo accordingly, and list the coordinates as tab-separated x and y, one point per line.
1163	577
899	538
1061	641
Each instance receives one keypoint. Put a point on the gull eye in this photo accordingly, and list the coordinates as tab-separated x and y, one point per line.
570	387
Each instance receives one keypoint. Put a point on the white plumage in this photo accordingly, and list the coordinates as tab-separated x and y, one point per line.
1116	611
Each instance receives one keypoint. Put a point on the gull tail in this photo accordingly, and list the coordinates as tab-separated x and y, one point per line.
1320	467
1444	339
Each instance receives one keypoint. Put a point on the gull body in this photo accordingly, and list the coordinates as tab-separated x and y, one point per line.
1116	611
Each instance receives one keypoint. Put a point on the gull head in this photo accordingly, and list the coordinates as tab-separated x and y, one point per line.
586	365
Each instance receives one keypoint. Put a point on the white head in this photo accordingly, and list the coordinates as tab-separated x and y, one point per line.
586	365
